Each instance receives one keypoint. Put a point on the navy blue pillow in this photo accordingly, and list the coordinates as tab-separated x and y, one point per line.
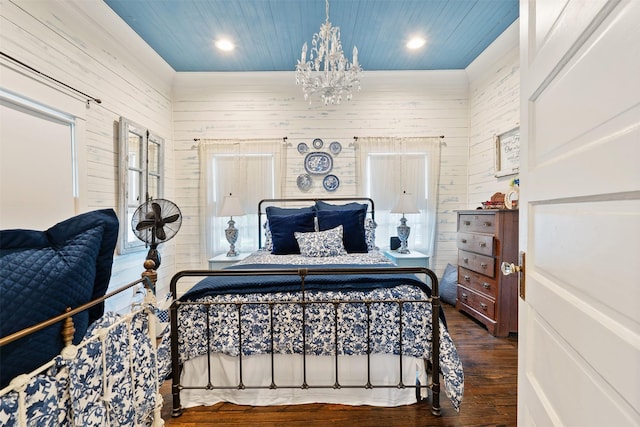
42	273
324	206
352	222
282	228
275	210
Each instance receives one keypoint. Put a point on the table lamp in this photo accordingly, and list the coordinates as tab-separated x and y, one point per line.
231	207
406	205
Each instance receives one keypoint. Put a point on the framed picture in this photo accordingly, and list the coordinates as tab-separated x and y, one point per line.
508	153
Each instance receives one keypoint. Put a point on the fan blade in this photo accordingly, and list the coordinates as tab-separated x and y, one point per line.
171	218
157	210
145	223
160	234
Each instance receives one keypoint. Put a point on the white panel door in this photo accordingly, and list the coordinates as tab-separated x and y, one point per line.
579	324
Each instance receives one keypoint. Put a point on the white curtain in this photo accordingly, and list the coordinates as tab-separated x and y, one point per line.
387	166
248	169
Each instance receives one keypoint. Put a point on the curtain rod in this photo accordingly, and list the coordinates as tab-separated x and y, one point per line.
90	98
355	138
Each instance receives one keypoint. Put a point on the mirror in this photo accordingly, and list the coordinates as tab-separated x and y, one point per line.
141	173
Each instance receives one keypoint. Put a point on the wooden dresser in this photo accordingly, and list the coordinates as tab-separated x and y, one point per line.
485	239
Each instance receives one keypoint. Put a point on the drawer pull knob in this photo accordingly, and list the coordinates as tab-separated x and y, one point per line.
483	265
487	224
483	245
465	260
467	278
464	240
464	296
486	285
467	223
484	306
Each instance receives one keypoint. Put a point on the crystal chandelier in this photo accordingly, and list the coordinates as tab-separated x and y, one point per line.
328	72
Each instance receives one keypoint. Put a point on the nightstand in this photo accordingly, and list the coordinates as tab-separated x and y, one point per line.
412	259
221	261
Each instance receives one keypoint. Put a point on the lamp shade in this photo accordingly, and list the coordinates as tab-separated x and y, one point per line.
231	206
406	205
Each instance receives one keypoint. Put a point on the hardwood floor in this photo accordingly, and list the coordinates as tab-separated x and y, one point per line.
490	367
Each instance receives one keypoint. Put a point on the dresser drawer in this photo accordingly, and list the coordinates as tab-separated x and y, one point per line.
479	263
474	242
478	282
477	223
478	302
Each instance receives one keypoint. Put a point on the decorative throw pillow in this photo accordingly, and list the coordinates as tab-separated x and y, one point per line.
353	206
268	241
370	233
321	243
353	223
44	272
448	285
282	229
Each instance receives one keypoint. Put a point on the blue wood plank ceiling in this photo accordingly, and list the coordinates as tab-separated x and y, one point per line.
269	34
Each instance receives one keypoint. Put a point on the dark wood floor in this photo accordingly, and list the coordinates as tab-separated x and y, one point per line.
490	367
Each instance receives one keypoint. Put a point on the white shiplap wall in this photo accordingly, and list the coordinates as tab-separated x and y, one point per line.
494	108
85	45
88	46
264	105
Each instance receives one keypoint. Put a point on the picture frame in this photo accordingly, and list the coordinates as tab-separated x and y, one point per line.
507	146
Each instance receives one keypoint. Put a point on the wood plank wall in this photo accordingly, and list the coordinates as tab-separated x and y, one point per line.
270	105
85	45
494	108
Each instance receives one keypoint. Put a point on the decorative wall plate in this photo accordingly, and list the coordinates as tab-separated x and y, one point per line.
304	181
335	147
331	183
317	143
318	163
303	148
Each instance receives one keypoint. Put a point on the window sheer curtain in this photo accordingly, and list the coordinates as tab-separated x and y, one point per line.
390	165
250	169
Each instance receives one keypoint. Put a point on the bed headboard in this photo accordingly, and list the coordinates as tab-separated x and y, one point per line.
302	202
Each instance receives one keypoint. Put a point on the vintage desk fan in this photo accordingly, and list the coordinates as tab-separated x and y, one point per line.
155	222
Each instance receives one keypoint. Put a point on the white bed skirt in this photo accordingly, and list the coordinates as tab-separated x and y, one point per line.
256	370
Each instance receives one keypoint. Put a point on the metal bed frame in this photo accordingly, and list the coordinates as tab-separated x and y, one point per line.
434	385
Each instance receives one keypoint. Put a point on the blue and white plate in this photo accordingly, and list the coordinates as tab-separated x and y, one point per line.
331	183
317	143
318	163
304	181
335	147
303	148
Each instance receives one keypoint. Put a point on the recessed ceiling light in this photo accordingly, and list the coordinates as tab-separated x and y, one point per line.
225	44
416	42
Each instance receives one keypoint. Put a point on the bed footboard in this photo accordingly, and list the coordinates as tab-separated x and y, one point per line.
109	378
306	306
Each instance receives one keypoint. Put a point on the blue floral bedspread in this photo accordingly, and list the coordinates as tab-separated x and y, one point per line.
320	325
111	382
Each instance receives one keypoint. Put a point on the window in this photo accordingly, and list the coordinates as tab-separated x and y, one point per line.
39	182
388	166
248	169
385	192
141	176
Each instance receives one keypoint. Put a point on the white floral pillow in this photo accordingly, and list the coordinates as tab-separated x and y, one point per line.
321	243
370	233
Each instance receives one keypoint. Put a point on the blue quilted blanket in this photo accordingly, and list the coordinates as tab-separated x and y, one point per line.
245	284
44	272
